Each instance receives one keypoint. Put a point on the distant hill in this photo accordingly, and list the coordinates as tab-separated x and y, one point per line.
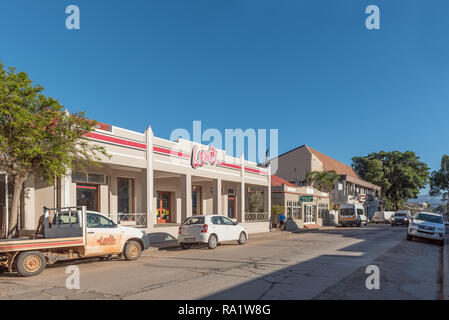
434	201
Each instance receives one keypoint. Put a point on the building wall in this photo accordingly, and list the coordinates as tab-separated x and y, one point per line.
294	165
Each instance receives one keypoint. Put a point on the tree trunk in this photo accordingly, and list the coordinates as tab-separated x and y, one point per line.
13	231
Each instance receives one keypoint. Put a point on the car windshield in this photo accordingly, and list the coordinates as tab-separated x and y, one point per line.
429	218
400	215
347	212
194	220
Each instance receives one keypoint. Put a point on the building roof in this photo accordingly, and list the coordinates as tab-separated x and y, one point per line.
278	182
330	164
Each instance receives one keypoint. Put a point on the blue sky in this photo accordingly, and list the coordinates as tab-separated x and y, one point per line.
309	68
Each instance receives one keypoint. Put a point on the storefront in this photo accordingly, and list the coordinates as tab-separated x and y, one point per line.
156	184
304	207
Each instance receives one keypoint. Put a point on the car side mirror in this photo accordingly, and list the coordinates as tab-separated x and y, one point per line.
236	223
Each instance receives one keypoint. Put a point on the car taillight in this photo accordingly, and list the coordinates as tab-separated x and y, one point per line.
180	230
204	229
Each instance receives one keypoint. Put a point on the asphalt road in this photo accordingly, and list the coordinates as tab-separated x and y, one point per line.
325	264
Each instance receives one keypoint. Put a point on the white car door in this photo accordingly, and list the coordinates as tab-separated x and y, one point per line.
232	230
103	236
219	228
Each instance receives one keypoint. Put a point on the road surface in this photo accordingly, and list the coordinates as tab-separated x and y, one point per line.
324	264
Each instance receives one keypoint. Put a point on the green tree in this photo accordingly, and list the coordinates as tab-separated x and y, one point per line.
440	208
400	174
439	180
322	180
276	210
38	137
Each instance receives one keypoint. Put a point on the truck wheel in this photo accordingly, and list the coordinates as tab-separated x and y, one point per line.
242	238
133	250
212	242
30	263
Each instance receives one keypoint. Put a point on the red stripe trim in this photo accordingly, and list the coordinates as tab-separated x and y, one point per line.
86	187
255	171
230	165
171	152
40	244
118	141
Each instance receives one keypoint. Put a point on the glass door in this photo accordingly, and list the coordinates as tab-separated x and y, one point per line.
88	195
163	207
309	214
231	207
196	200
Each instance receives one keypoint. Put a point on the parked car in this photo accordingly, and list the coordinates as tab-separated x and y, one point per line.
352	215
382	217
400	217
427	225
210	230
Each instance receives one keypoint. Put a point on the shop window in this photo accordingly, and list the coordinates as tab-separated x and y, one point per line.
297	210
256	203
125	195
97	178
196	200
88	195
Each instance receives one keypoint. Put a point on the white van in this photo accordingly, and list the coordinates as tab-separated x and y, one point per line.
352	215
382	217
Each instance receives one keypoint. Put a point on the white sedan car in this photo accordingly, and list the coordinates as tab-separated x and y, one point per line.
210	230
427	225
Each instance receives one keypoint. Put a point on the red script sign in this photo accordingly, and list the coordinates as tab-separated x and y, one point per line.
202	157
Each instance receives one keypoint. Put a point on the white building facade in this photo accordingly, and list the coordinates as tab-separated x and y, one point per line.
155	184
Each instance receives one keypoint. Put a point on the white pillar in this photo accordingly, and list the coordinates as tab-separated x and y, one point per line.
242	188
151	214
218	198
186	189
66	186
30	214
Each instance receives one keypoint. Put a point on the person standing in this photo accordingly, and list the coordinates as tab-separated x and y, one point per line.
282	219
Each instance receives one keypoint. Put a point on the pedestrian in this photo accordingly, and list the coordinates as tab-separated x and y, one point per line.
282	219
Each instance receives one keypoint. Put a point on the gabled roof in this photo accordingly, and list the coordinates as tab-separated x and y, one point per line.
278	182
330	164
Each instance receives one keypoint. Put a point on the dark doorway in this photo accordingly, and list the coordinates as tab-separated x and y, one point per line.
88	195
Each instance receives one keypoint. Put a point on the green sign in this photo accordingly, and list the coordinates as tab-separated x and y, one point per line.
306	198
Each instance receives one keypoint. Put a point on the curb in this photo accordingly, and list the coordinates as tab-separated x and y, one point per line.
161	246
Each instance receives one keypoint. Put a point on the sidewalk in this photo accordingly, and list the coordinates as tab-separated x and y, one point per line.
274	233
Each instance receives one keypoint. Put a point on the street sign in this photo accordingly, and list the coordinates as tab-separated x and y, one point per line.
306	198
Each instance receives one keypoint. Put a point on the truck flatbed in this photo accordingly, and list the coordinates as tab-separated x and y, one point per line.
11	245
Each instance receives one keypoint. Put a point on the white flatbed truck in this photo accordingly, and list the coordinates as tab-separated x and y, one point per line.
71	233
